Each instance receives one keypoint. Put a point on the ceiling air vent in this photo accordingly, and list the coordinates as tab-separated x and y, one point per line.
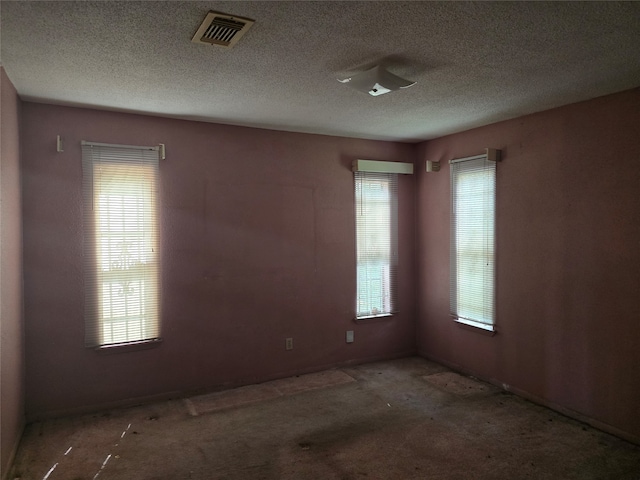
221	29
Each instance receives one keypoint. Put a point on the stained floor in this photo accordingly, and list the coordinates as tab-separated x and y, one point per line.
402	419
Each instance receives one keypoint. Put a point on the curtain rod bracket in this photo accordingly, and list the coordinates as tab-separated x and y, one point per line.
433	166
493	154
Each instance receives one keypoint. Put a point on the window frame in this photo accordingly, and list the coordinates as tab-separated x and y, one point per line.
137	166
473	217
365	222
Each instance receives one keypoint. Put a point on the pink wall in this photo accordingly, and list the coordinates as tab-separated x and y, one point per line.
11	320
257	245
568	258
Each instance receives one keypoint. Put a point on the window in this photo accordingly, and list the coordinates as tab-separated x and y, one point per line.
473	188
121	244
376	243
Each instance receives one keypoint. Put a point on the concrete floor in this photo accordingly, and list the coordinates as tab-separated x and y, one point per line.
400	419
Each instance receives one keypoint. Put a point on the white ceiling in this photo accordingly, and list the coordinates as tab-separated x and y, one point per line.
475	62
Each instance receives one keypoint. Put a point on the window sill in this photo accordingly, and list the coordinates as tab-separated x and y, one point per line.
128	347
373	318
478	327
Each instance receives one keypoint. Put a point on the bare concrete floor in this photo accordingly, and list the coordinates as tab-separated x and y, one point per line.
401	419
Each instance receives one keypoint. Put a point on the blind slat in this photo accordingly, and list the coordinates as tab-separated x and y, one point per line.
376	201
121	244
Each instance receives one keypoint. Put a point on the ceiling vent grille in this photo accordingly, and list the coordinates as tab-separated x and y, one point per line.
221	29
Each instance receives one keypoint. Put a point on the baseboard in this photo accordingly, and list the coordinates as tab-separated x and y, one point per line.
12	456
567	412
173	395
98	407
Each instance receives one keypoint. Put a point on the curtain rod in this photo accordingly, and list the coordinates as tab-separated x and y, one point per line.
95	144
466	159
491	154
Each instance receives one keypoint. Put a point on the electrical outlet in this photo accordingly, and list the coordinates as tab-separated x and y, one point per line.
288	344
349	336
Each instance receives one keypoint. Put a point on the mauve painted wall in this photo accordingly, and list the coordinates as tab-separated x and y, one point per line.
11	320
258	242
568	258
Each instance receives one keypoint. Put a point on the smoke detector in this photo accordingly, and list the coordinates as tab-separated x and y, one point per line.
376	81
221	29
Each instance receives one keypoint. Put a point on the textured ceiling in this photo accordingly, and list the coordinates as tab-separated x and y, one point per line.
475	63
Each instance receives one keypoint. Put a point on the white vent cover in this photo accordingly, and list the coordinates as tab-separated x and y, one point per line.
221	29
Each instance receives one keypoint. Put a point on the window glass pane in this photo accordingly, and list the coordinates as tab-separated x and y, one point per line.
122	288
472	232
376	212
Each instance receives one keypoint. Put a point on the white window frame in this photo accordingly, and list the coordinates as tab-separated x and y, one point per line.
472	275
122	271
376	210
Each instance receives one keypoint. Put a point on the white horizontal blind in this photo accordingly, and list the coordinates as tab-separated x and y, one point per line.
121	244
376	198
472	276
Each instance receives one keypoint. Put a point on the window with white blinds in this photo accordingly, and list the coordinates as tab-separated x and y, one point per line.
121	244
376	198
473	188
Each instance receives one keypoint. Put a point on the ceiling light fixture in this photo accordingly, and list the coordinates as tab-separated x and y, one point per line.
376	81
